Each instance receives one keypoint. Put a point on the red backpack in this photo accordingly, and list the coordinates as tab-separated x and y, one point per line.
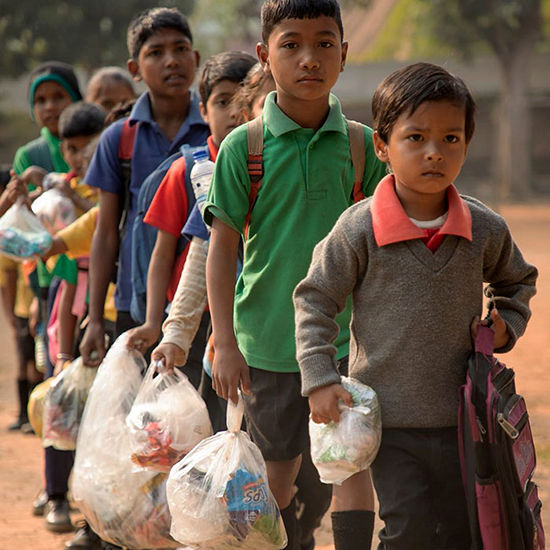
497	455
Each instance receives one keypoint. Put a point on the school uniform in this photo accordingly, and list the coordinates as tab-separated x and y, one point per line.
410	341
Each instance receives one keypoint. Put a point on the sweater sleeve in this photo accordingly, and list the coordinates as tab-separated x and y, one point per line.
511	283
189	302
331	278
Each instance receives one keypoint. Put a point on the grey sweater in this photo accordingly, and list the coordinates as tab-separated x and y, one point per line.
412	310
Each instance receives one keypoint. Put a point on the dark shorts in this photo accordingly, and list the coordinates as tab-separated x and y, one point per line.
417	478
276	413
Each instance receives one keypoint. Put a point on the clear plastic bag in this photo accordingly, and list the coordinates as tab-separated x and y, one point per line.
22	234
64	405
123	506
35	407
342	449
219	497
55	210
168	418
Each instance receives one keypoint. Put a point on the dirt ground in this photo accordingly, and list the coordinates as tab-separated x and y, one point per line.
21	455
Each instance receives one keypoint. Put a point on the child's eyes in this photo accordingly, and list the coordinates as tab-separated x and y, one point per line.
415	137
290	45
451	139
326	44
153	53
183	48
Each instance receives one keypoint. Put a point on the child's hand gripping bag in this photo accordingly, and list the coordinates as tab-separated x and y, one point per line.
64	405
168	418
123	506
35	407
219	497
342	449
22	234
55	210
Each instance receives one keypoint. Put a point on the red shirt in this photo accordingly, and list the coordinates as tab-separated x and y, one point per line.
392	225
168	209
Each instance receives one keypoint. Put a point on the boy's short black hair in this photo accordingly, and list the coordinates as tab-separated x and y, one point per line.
406	89
232	66
275	11
81	119
150	21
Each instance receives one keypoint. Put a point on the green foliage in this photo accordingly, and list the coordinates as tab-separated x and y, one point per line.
89	34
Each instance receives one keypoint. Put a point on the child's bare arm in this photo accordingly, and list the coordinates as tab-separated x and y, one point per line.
80	202
158	279
324	403
229	367
102	263
66	326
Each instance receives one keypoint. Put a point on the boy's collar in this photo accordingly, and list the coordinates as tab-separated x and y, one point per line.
141	111
278	123
391	224
212	148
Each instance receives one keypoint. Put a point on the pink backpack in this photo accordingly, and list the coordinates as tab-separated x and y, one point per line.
497	456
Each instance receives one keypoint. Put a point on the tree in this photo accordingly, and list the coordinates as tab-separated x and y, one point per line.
89	34
512	29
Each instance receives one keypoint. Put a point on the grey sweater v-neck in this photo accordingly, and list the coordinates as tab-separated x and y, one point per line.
412	310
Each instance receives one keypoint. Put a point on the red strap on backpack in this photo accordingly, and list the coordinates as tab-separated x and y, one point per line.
255	165
127	140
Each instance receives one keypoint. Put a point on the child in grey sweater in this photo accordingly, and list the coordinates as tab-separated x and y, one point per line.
414	258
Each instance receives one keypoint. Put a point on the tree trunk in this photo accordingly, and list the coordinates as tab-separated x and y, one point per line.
514	140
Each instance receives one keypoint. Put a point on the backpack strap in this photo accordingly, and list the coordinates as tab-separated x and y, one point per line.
255	164
125	153
356	135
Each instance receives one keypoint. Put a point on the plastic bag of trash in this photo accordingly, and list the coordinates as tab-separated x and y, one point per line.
168	418
342	449
123	506
219	497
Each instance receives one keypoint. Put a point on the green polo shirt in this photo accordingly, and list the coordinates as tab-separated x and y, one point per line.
307	184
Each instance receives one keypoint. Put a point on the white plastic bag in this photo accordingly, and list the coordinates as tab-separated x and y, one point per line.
342	449
54	210
22	235
124	506
64	405
219	497
168	418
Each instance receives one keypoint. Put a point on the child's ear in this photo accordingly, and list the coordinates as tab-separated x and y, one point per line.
344	55
263	56
133	69
380	147
202	109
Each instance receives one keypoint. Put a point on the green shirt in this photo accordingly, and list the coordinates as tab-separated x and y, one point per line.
307	184
44	152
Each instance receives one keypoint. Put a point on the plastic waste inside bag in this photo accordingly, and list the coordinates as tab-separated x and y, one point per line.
168	418
342	449
219	497
35	407
64	405
124	506
54	210
22	234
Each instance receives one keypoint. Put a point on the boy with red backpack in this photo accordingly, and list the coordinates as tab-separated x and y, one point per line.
167	115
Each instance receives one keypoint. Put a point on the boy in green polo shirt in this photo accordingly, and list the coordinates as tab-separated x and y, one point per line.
307	183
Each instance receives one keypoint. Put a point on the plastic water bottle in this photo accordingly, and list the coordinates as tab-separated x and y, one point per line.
201	175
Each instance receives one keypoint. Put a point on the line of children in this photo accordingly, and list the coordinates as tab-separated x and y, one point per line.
414	258
378	254
220	77
307	183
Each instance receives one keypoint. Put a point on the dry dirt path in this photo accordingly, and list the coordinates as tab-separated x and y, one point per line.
21	456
